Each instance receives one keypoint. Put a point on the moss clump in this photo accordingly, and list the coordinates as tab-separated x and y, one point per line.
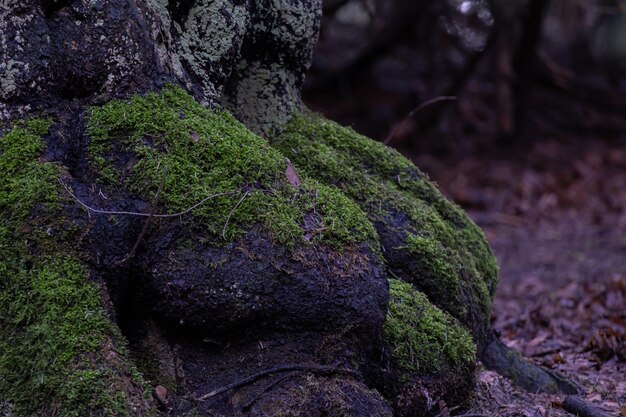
52	332
24	182
427	240
59	353
200	153
423	339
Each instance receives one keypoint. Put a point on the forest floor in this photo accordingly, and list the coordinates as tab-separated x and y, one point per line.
555	215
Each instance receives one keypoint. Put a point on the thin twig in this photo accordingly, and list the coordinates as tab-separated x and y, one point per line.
232	212
421	107
132	213
319	369
256	398
146	224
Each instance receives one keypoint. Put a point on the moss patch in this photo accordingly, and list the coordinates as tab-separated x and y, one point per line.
200	153
59	353
23	181
424	339
428	240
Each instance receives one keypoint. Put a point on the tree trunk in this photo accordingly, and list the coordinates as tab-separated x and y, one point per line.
150	240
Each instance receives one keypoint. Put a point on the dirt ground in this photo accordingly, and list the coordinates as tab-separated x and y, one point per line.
555	215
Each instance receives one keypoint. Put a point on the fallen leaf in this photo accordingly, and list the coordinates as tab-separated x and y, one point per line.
160	393
292	175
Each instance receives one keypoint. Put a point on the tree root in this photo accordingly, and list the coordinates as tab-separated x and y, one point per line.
578	407
249	404
507	362
316	369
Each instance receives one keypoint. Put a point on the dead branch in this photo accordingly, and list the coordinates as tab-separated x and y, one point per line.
315	369
415	111
455	88
551	77
393	34
578	407
146	224
268	388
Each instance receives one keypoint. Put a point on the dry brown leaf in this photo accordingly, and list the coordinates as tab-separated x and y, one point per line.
292	175
160	393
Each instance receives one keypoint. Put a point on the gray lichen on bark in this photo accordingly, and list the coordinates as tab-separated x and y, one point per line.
233	53
265	90
210	40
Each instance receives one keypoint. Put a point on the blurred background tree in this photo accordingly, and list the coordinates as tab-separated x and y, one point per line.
491	72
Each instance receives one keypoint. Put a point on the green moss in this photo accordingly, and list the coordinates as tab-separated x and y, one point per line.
449	256
424	339
51	333
437	259
200	153
54	334
24	182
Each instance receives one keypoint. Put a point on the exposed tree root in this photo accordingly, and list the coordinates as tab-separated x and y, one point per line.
316	369
580	408
509	363
268	388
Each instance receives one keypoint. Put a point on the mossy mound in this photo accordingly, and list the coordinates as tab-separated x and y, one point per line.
258	251
427	240
59	353
200	153
253	239
182	219
423	339
432	354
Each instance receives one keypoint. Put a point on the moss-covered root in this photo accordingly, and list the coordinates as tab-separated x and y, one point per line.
427	240
256	252
509	363
59	353
424	340
432	354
